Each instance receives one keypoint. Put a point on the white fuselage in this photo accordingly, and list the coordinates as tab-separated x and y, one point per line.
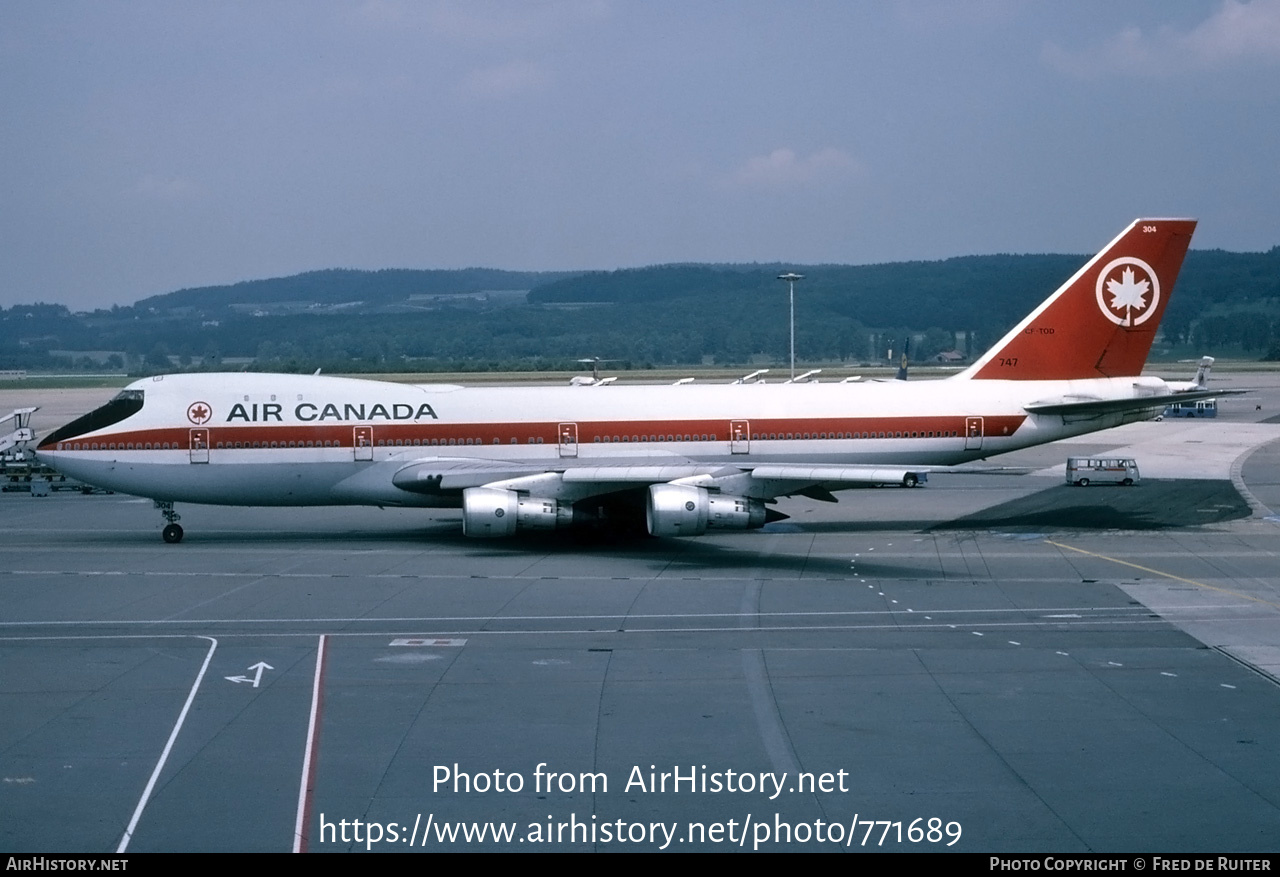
266	439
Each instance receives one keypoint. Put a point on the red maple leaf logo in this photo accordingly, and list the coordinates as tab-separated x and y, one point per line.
199	412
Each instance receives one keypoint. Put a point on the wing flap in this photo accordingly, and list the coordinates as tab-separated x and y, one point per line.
843	476
444	474
643	474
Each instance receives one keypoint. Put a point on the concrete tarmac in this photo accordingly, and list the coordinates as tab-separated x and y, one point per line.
995	662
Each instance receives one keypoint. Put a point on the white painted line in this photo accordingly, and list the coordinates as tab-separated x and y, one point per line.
898	625
304	791
428	641
164	756
1097	612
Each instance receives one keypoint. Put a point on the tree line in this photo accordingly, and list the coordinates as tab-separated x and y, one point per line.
1224	304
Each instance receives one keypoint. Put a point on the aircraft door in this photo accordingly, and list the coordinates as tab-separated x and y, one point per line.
739	437
363	442
199	445
972	433
568	439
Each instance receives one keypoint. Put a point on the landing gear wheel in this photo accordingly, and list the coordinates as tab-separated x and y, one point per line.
172	533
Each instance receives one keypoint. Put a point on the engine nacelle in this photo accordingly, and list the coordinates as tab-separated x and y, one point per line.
488	512
681	510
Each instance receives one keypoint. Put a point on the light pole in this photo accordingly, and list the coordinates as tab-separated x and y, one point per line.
791	277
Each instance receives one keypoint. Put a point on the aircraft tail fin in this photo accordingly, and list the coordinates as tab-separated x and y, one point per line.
1202	373
906	359
1101	322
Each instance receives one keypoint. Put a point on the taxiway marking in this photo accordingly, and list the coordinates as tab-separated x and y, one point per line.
1167	575
164	756
308	782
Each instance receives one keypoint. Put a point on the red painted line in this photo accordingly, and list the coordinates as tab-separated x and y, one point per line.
488	434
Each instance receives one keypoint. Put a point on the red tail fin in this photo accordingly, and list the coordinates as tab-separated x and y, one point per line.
1101	322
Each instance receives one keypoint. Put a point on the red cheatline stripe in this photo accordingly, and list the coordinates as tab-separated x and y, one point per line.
548	433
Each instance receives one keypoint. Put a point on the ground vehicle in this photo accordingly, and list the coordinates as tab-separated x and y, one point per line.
1083	471
1202	408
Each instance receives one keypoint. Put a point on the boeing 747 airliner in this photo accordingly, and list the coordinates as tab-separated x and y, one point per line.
684	459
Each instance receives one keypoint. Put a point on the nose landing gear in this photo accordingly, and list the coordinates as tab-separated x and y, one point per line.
172	532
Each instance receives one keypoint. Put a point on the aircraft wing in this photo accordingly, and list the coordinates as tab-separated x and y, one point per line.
445	474
570	480
1083	407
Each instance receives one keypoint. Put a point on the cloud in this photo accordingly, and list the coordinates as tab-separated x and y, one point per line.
507	80
783	167
1238	32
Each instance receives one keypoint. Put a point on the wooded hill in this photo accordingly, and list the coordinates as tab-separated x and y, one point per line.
399	320
373	289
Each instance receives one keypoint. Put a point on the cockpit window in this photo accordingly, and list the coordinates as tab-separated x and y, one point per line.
126	404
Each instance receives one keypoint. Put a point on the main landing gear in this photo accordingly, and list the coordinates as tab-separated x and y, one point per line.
172	532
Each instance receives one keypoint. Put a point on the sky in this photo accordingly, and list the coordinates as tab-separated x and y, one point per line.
153	146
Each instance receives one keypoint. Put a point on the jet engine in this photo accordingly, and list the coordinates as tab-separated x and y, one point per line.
681	510
490	512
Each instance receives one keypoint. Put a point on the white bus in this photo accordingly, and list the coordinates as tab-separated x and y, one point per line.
1083	471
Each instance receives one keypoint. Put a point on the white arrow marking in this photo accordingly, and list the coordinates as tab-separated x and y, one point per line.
256	678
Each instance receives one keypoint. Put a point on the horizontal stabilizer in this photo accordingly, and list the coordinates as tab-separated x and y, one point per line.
1077	406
